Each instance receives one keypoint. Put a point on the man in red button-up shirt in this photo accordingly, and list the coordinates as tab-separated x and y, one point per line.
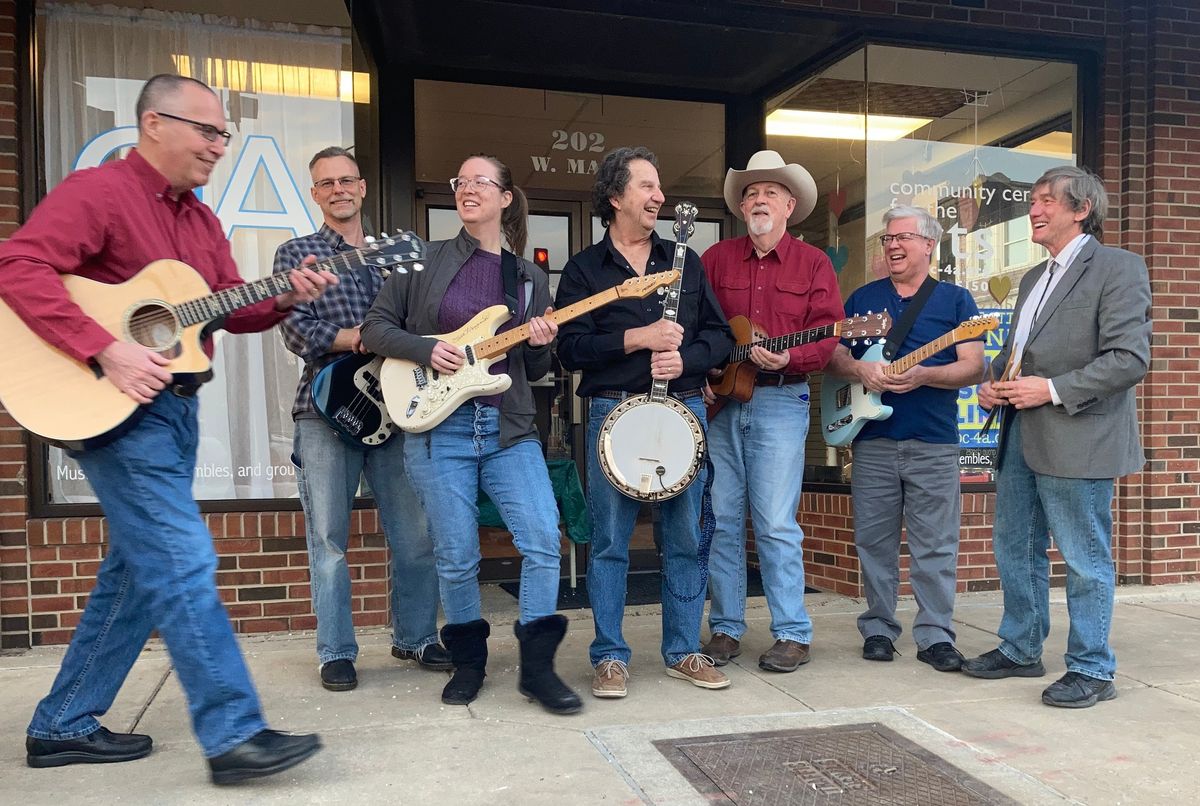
783	286
106	224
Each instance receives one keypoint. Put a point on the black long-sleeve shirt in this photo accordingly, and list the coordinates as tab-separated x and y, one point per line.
595	342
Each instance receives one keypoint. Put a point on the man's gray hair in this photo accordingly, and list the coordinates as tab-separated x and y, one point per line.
927	225
1077	187
158	89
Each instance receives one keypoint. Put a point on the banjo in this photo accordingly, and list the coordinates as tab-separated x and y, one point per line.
651	446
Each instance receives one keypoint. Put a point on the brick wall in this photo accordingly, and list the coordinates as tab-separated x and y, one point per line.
14	585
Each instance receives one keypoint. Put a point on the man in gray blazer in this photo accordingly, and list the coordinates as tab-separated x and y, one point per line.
1079	344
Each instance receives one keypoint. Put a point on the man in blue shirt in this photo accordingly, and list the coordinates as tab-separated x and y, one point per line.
329	468
907	465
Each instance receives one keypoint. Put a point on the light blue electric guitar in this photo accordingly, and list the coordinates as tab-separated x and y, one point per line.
846	406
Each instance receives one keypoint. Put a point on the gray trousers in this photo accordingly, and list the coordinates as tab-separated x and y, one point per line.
919	482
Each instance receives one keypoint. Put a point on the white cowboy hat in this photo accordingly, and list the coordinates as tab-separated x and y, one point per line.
768	166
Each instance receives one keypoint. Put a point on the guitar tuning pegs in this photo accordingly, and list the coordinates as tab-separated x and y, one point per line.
853	342
418	267
369	239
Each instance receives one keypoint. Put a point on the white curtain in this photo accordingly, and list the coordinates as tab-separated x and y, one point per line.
282	87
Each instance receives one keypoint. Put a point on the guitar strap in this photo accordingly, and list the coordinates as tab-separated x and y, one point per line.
900	332
508	270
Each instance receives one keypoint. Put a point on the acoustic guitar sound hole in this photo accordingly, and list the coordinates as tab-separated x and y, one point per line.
153	325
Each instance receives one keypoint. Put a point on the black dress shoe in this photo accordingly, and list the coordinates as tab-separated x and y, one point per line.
431	656
878	647
98	747
995	665
1075	690
339	675
942	656
266	753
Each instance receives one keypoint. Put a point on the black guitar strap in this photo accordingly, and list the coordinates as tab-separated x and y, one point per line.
508	270
899	333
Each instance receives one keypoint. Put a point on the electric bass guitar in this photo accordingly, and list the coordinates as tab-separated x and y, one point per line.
847	406
347	394
165	307
418	397
736	382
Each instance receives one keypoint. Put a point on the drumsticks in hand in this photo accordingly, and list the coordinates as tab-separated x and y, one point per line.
1011	370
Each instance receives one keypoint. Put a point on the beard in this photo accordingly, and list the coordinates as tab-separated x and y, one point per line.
760	225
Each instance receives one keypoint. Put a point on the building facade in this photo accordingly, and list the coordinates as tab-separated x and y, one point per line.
993	92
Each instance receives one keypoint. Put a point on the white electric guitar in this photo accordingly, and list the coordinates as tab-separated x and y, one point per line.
418	397
652	445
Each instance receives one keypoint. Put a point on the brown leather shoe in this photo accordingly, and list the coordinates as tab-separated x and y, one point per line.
784	656
699	670
609	679
721	648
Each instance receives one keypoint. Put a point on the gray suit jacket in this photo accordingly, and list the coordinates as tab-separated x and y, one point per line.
1093	341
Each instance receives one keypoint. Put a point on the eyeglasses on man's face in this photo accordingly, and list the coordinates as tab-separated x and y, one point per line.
902	237
345	182
208	132
478	182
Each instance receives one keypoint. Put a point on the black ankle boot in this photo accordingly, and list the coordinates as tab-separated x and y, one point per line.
467	644
539	641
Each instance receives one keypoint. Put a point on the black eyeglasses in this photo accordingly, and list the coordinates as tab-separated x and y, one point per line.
902	237
208	132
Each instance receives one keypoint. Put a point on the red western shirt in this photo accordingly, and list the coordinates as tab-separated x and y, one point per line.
791	288
106	224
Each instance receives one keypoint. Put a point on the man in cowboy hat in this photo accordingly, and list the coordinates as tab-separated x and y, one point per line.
782	285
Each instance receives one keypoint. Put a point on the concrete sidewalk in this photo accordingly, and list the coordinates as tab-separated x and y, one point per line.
392	741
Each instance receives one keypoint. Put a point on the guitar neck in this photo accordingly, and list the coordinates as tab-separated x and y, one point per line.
222	303
501	343
780	343
917	356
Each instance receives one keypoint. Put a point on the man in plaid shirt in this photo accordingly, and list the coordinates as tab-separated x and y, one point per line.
330	468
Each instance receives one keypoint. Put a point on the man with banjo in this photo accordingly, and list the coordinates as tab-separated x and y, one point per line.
330	467
626	349
782	285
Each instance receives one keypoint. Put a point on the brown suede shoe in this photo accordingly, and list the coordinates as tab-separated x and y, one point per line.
784	656
699	670
608	682
721	648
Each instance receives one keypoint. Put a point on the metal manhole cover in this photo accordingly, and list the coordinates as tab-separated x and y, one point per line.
845	764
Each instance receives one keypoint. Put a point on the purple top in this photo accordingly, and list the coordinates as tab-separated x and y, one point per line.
477	285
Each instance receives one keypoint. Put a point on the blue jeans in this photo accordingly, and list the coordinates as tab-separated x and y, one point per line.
1078	512
159	573
613	518
757	450
448	465
329	475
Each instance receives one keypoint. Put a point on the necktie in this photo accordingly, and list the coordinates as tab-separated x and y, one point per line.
1045	291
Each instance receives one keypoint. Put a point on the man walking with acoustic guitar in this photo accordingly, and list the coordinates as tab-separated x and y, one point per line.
330	466
782	285
907	465
105	224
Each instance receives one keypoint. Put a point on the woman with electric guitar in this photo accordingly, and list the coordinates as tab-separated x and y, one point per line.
489	441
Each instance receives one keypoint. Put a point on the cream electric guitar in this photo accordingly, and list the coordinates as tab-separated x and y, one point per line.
165	307
651	446
418	397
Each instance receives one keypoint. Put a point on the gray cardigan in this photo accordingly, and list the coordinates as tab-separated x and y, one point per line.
405	316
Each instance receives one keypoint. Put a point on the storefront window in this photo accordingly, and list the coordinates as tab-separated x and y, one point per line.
287	95
889	126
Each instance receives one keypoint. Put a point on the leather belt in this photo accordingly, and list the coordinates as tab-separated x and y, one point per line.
184	389
778	379
686	394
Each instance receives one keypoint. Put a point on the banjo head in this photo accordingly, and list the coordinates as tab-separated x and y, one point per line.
651	450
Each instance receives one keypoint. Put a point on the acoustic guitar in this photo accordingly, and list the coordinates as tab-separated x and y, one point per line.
165	307
736	382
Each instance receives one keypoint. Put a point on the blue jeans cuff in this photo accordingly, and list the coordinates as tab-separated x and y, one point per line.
1012	656
405	646
350	656
799	639
229	744
62	737
1091	673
